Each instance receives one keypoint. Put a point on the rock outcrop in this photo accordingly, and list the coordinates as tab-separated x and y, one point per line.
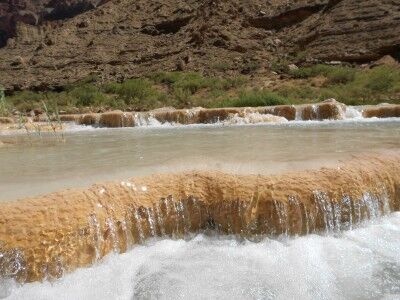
45	236
37	12
346	30
124	39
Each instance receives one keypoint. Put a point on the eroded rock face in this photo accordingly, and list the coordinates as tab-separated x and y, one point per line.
348	30
45	236
36	12
124	39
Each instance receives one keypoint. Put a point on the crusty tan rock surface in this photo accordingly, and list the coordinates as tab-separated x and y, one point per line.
327	110
382	111
45	236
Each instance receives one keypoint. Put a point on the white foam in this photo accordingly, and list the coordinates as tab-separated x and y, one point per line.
254	118
353	113
360	264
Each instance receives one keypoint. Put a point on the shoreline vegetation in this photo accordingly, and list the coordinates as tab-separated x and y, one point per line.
348	85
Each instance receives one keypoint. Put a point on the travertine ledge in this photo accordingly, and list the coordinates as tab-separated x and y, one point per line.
327	110
44	237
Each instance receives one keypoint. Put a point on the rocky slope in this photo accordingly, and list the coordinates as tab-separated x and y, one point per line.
36	12
123	38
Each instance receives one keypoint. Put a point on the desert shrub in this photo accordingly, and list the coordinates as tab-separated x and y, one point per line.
381	79
224	84
88	95
340	75
26	96
191	82
253	98
168	78
298	93
334	74
134	90
111	88
25	101
251	67
222	66
181	97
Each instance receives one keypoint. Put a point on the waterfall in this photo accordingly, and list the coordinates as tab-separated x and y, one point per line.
81	232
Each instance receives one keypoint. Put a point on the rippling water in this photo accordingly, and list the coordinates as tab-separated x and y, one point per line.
360	264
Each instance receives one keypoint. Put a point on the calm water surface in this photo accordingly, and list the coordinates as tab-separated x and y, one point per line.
35	165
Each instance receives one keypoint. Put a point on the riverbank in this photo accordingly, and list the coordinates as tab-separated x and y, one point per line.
369	85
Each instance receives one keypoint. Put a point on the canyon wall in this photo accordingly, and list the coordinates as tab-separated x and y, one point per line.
37	12
123	38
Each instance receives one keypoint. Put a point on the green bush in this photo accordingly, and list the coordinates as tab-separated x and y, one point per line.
381	79
169	78
251	66
253	98
340	75
88	95
334	74
299	94
26	96
307	72
222	66
111	88
351	86
192	83
135	90
218	84
280	66
181	97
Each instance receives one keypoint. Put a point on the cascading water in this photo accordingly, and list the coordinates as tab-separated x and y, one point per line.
359	264
177	205
327	110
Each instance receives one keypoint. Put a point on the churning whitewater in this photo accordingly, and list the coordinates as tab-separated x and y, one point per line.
363	263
